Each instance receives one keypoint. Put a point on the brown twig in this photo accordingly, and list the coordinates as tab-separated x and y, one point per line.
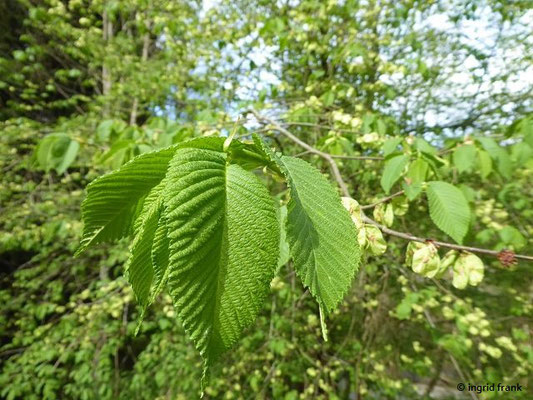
383	200
311	149
368	158
361	158
325	127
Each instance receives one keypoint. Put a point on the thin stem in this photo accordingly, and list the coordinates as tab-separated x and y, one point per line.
325	127
383	200
368	158
311	149
413	238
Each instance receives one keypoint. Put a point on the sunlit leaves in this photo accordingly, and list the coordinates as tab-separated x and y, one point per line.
448	209
391	145
498	154
464	157
394	168
484	162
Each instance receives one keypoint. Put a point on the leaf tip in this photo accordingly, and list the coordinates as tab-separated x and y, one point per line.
79	250
205	379
140	321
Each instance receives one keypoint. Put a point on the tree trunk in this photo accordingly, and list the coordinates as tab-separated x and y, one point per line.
107	32
144	58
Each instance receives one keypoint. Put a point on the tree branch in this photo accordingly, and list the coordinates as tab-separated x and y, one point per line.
413	238
144	58
383	200
311	149
371	158
345	192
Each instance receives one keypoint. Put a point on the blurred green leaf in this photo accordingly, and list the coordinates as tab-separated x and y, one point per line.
394	168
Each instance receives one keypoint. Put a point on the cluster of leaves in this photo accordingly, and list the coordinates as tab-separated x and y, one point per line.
204	224
420	117
66	329
116	141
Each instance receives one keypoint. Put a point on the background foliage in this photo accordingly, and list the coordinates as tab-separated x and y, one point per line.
413	91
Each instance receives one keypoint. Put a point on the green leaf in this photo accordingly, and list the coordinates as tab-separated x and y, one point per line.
453	343
525	128
528	137
521	153
120	152
391	145
43	152
393	170
512	237
223	243
417	171
403	310
284	251
416	175
424	146
499	154
434	162
145	207
248	156
321	234
113	200
56	151
139	266
160	255
412	191
468	192
381	127
103	131
484	163
68	156
448	209
464	157
328	98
